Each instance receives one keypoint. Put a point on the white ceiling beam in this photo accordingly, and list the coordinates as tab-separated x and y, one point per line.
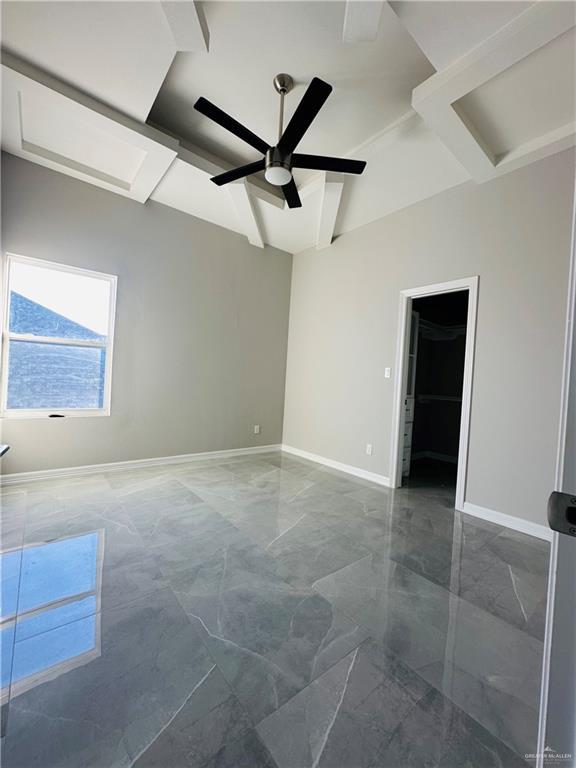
188	26
329	205
240	195
361	21
434	98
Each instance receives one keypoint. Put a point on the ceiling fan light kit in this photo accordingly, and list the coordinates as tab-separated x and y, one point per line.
278	170
279	160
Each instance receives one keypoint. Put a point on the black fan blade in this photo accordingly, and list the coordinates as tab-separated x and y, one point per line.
310	104
320	163
238	173
215	113
291	195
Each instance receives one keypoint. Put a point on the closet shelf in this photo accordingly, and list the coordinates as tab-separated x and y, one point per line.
446	398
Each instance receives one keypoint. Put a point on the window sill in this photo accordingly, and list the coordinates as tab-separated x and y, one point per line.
55	415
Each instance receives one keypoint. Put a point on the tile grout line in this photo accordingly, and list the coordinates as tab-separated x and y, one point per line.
175	715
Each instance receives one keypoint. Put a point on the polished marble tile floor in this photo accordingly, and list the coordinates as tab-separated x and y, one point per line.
264	611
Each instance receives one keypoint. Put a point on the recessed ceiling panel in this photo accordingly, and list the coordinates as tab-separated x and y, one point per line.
530	99
69	136
48	128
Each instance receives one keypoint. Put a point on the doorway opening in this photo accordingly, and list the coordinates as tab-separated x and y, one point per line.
433	386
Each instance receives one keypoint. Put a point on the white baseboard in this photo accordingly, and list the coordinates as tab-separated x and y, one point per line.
509	521
499	518
347	468
90	469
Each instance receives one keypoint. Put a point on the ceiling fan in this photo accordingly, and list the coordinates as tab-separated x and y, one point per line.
279	160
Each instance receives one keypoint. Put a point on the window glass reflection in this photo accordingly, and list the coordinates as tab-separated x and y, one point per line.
50	610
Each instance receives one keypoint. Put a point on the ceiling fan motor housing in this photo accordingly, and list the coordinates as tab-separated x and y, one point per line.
278	166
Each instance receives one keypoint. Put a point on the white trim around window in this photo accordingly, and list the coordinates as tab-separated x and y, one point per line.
7	336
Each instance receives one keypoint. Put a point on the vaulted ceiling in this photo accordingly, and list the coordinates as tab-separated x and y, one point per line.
431	94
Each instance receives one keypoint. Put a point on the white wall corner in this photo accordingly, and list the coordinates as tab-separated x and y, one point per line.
240	195
329	205
187	25
361	20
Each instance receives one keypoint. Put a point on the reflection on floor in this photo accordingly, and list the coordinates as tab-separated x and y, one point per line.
264	611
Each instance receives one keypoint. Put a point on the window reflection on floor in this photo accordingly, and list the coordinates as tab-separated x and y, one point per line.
50	609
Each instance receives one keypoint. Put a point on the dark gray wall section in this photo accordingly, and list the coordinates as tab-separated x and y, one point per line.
201	324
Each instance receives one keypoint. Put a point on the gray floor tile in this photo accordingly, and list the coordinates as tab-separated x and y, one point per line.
13	504
106	688
504	589
372	710
164	612
178	522
210	718
99	547
269	639
246	752
310	550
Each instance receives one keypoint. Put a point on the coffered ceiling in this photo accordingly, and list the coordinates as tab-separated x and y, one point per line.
431	94
252	41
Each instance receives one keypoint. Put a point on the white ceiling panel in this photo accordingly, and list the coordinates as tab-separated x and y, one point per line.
48	128
407	165
445	30
292	229
189	189
117	52
528	100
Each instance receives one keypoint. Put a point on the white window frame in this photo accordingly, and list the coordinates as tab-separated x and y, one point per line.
7	336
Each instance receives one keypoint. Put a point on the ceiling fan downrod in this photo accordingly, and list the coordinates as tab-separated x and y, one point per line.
283	84
278	167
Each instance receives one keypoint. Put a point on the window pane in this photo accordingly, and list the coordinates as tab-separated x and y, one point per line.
55	376
49	302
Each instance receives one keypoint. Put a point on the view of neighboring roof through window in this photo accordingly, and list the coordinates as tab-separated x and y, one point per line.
57	344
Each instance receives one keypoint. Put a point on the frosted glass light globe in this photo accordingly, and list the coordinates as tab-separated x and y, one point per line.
277	175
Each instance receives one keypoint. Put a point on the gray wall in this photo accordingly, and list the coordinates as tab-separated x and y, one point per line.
201	324
514	232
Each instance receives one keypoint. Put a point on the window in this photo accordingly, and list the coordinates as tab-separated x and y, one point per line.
57	340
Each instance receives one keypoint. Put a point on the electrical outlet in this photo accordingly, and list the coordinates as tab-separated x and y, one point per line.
256	429
368	449
387	373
